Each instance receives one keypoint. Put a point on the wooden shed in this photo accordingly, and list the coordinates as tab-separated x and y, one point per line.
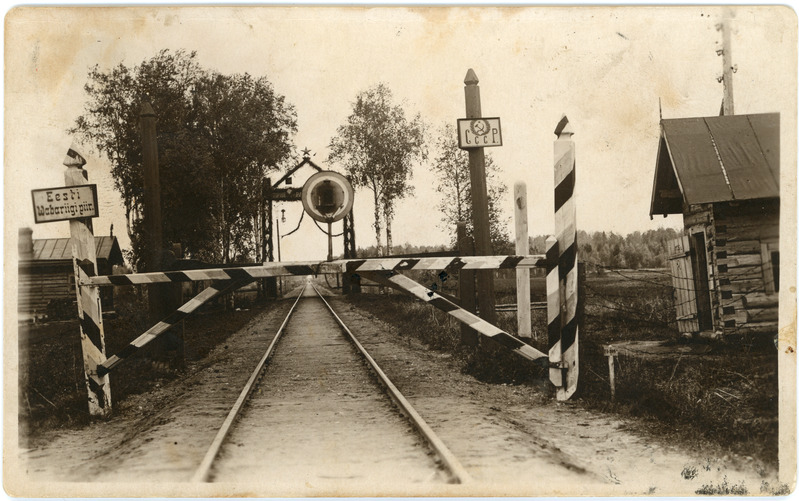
722	174
46	276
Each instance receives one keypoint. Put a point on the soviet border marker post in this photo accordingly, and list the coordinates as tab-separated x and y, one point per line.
566	234
477	175
90	314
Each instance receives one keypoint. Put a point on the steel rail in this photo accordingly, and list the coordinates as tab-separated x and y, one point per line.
203	471
457	471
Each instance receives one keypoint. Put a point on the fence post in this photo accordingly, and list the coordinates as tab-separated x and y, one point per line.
566	233
523	317
477	176
90	313
469	336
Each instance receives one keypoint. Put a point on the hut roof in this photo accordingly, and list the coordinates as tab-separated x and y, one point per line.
716	159
55	249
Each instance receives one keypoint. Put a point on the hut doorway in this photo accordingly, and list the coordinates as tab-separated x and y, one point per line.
699	265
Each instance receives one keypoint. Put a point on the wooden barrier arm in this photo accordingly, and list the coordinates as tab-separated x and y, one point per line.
216	289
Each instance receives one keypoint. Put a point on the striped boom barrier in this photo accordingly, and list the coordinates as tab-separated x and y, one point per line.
448	263
90	313
264	270
419	291
321	268
216	289
566	234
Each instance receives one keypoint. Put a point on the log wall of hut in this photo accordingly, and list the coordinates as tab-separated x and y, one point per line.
42	282
746	256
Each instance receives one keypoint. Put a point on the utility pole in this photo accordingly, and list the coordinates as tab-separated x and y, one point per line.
161	297
153	229
727	106
477	175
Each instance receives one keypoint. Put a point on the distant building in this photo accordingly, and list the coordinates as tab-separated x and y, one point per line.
46	276
722	174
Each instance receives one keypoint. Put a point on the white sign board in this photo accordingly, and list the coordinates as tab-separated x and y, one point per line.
69	202
479	132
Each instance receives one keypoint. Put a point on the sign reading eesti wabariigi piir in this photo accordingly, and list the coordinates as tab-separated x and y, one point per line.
479	132
68	202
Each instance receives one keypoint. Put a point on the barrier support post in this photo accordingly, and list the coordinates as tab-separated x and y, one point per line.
523	317
90	313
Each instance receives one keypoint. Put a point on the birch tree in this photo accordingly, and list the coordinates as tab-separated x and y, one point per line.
377	146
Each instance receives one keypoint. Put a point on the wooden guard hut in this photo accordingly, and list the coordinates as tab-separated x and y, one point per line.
722	174
47	278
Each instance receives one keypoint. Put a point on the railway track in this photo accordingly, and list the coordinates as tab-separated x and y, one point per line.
318	411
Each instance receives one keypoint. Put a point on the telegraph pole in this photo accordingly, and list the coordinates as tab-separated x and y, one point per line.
477	174
727	106
153	229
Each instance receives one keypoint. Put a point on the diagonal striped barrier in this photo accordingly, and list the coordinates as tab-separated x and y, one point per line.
216	289
566	234
419	291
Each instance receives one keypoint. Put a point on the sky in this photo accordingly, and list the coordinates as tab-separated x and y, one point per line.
611	70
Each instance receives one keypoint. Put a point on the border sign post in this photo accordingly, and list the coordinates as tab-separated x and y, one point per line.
477	176
90	314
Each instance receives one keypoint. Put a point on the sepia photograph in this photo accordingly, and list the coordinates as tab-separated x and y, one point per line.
404	251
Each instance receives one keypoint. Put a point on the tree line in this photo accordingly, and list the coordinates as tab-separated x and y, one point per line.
599	249
602	249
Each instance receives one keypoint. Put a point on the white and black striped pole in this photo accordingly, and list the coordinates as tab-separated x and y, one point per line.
90	313
566	234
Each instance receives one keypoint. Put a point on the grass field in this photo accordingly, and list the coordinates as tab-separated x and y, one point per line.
727	395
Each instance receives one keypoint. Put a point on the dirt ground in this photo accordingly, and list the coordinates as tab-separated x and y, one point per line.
513	439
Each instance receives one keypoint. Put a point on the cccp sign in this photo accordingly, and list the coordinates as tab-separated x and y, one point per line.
327	196
479	132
